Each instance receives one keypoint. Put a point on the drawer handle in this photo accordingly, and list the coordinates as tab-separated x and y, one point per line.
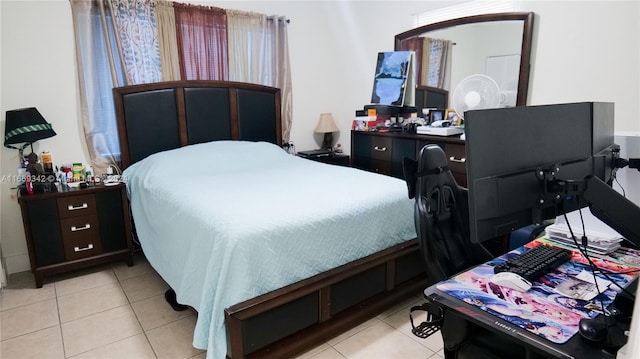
381	149
72	208
76	229
78	249
454	159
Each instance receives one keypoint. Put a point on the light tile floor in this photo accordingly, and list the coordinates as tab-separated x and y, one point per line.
116	311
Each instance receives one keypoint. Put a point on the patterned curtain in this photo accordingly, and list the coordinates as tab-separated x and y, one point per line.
135	24
414	44
259	53
436	58
201	32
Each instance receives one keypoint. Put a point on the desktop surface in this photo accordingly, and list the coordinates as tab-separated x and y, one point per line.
536	318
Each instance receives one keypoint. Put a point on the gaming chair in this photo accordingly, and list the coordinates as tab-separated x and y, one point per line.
442	225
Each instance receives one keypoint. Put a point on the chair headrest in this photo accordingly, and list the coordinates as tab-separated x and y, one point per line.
431	161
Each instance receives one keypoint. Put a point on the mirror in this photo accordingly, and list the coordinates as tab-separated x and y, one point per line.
496	45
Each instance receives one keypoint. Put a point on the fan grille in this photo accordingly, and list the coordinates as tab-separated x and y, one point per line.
476	92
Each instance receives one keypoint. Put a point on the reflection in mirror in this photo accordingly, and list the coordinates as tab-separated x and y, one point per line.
496	45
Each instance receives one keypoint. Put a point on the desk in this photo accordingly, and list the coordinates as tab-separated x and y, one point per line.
471	284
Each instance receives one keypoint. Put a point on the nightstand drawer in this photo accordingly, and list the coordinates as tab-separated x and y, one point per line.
82	247
75	206
81	237
80	227
76	228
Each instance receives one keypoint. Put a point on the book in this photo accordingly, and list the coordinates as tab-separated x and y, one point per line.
316	153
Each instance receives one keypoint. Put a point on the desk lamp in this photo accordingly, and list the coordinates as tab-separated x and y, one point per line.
26	126
327	126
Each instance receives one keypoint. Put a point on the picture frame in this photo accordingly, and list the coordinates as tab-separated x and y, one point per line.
436	115
452	116
394	82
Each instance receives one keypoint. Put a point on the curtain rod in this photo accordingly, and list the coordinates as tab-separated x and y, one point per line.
287	20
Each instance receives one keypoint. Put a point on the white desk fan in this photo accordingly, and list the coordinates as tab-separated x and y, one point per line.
476	92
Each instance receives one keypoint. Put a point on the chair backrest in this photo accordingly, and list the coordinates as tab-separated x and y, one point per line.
441	216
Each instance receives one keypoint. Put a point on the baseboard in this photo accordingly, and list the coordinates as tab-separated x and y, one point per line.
17	263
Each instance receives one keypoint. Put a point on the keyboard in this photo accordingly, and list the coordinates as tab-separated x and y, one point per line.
535	262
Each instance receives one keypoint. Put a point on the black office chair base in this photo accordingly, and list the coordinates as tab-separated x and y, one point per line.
429	326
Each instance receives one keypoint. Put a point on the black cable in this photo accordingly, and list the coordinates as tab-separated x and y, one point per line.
594	268
624	194
583	251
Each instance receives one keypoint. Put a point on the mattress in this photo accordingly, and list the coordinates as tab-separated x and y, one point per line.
226	221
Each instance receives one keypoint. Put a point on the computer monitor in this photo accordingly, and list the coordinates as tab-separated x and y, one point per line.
531	163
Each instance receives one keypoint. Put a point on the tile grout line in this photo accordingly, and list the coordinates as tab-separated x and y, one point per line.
144	332
55	293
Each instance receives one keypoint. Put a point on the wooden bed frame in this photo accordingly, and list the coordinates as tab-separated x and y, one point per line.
162	116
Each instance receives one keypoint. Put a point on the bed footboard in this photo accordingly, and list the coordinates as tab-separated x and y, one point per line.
297	317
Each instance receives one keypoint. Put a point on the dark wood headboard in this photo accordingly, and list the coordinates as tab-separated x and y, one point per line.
166	115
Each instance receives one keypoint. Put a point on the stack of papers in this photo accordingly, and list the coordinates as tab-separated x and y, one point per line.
597	242
582	286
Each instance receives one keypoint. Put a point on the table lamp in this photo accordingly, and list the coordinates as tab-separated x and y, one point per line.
327	126
26	126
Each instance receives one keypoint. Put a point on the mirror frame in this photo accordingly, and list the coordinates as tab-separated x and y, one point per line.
525	51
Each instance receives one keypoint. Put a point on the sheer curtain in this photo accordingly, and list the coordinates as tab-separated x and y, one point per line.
98	73
259	53
128	42
116	45
201	33
167	40
436	56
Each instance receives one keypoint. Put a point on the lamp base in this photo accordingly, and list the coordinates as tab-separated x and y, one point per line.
327	142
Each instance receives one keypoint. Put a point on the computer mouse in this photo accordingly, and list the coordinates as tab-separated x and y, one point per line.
592	329
511	280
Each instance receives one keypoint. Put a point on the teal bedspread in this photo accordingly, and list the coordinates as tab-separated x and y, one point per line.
226	221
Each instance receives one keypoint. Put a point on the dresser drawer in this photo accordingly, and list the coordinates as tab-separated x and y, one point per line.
382	167
381	148
456	157
76	206
81	236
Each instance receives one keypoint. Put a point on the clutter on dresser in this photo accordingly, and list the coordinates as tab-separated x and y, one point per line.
404	119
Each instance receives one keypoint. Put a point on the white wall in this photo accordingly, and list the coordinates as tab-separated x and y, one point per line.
333	46
588	51
38	70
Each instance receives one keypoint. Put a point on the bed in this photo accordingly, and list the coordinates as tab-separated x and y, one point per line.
276	253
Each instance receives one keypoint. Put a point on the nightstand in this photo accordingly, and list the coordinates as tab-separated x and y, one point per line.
333	159
76	228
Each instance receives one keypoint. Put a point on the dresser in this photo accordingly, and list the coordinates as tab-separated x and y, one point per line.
384	152
76	228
